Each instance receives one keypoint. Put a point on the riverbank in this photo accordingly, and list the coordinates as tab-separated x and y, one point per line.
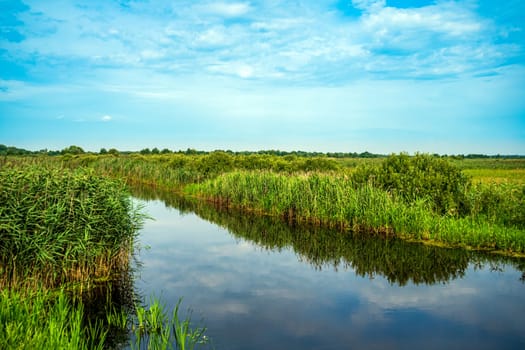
62	232
420	198
336	202
66	241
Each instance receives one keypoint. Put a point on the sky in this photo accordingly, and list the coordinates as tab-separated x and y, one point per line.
381	76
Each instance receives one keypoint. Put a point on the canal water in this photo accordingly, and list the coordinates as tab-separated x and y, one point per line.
260	283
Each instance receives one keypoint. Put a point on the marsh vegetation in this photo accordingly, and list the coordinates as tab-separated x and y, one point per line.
66	234
68	226
424	198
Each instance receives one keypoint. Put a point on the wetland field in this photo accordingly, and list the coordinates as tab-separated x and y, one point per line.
260	250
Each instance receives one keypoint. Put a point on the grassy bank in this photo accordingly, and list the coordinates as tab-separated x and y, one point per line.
417	198
335	201
62	232
66	239
473	203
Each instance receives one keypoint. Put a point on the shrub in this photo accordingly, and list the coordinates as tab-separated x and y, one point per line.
418	177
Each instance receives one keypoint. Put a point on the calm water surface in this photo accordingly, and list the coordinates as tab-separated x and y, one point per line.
257	283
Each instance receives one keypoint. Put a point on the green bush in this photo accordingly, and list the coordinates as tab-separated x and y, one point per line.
500	203
420	177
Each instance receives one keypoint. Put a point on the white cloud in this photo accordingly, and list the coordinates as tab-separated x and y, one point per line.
151	54
213	37
245	71
236	69
451	20
302	42
235	9
369	5
106	118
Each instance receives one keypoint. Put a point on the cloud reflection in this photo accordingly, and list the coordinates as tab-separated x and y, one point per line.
260	297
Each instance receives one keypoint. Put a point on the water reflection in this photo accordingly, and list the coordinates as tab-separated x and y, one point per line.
116	295
396	260
259	283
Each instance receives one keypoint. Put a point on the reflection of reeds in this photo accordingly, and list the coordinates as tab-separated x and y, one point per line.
398	261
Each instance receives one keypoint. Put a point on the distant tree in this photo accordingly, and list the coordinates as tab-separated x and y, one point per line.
103	151
5	150
72	150
155	151
114	151
165	151
145	151
367	154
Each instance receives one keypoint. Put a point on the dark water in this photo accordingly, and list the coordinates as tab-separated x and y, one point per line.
258	283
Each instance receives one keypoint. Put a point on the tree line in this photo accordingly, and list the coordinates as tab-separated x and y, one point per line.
76	150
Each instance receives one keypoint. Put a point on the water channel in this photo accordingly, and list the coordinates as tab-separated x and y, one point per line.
260	283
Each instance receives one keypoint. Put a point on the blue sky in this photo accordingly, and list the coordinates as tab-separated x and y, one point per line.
324	75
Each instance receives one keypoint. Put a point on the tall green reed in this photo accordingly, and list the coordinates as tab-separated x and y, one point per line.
337	201
153	329
62	225
43	320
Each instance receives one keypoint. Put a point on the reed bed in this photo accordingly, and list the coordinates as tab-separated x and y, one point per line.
338	201
63	234
174	171
60	226
419	197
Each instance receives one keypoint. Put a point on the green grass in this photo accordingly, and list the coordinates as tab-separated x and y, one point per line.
63	232
153	329
474	203
498	176
336	201
44	320
489	163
